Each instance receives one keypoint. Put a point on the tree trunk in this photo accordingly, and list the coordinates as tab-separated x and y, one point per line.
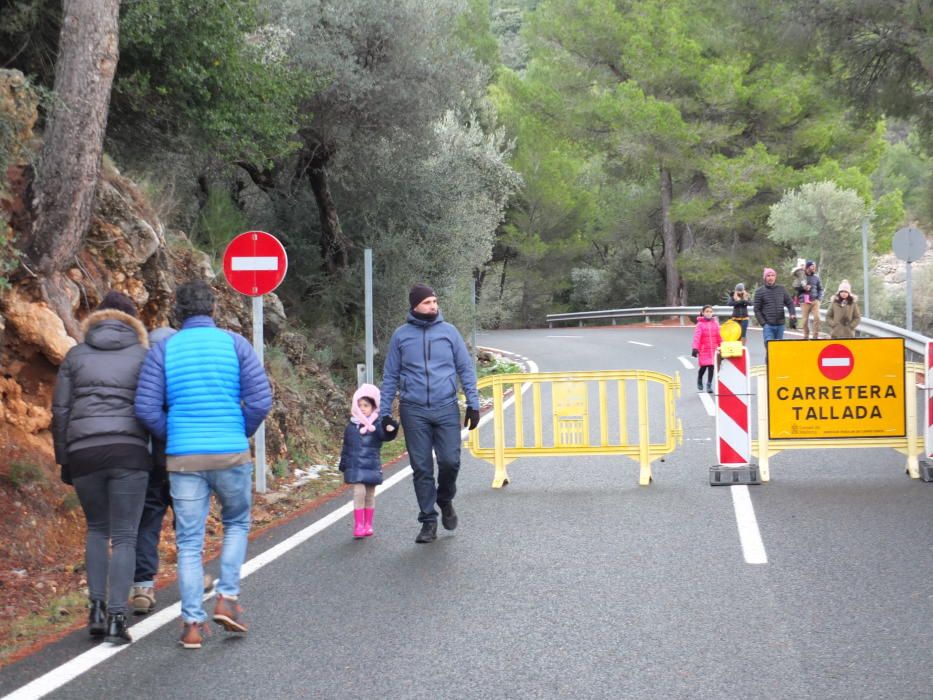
335	252
672	287
73	143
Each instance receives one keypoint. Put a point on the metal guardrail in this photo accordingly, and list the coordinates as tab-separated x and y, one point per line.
915	343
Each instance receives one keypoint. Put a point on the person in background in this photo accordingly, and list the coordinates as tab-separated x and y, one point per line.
769	303
706	340
739	301
104	451
426	357
205	393
360	459
843	315
810	302
158	499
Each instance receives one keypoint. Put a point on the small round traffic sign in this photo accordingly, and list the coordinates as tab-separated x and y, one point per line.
255	263
909	244
836	362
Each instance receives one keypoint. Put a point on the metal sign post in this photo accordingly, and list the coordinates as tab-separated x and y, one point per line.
866	308
261	432
255	264
909	245
368	285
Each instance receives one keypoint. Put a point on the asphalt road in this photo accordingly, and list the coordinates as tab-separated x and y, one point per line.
575	582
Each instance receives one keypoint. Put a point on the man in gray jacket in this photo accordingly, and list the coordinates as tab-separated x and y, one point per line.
770	301
426	357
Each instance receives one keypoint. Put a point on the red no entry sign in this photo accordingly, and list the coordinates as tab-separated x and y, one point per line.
255	263
836	362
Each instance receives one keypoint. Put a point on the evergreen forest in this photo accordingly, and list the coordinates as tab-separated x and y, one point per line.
531	156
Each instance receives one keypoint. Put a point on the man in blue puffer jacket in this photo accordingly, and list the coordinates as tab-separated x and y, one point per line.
204	392
426	357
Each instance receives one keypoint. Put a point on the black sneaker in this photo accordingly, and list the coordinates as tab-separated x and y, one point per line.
448	516
428	532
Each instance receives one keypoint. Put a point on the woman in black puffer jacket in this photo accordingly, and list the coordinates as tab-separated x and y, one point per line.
104	451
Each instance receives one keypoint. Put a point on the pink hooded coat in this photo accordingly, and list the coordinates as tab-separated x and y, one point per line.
706	340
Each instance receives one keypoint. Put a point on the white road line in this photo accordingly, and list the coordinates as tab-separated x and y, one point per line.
686	362
646	345
59	676
708	403
753	549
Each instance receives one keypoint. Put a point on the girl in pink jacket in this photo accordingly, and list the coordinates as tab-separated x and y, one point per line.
706	341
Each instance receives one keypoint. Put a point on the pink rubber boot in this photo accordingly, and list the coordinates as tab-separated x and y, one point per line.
368	514
359	523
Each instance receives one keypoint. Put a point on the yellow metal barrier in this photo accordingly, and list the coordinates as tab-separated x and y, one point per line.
910	445
570	418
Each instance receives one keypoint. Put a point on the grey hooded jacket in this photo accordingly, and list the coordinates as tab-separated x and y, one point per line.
93	401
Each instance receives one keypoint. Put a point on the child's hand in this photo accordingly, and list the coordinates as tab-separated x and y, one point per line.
390	428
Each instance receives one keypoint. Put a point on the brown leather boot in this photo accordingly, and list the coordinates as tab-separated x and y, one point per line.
193	634
228	614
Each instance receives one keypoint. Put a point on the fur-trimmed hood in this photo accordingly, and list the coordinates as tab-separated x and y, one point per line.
110	329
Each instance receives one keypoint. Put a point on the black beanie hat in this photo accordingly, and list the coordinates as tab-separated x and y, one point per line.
119	301
419	293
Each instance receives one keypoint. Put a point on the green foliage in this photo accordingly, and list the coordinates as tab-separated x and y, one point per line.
211	70
29	38
9	258
475	31
590	288
904	167
279	468
822	222
219	221
878	53
25	473
70	501
888	218
612	95
498	365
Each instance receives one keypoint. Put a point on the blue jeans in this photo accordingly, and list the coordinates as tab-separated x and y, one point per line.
191	501
437	430
772	331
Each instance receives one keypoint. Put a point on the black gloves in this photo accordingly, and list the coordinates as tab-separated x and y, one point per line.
695	353
471	419
389	428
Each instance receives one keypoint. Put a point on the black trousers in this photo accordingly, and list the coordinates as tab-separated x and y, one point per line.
112	500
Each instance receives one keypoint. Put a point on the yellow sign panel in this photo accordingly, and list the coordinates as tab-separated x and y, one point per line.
571	418
836	388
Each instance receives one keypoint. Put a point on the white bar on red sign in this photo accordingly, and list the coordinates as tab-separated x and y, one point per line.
836	361
255	264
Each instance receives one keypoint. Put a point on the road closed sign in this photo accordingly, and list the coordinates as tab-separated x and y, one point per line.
836	388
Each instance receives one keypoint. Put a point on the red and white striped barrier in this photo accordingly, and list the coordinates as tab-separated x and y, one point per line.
733	411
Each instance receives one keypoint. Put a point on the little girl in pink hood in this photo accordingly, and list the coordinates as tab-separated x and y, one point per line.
360	459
